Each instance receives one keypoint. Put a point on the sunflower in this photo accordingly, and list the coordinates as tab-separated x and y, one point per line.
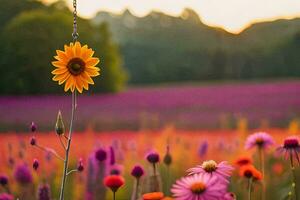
75	66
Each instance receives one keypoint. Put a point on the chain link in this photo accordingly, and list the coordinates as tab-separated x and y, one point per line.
75	33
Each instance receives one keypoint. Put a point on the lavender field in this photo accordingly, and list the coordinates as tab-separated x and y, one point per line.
188	107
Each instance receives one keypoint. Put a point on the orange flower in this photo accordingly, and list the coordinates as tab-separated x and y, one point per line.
243	160
75	66
249	171
153	196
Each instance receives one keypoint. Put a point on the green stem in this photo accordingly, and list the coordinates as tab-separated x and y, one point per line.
66	160
114	194
262	168
249	188
293	176
136	194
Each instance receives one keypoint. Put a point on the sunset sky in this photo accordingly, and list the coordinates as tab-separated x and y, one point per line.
232	15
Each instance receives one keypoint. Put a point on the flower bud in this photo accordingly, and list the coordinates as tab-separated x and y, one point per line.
80	166
59	126
35	164
33	127
3	180
33	141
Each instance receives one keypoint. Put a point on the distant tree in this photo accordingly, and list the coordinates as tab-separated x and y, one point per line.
31	39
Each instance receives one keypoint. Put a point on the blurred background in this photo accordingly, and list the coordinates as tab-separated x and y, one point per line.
195	64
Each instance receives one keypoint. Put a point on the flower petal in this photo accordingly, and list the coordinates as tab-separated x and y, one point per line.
92	62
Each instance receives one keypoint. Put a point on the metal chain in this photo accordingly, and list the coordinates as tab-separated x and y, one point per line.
75	33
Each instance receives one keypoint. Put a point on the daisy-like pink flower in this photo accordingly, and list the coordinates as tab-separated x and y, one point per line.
198	187
222	170
261	140
290	148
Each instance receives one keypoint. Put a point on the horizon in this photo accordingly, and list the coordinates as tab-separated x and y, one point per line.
233	17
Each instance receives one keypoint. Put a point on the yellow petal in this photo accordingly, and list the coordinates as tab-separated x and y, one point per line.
88	53
77	49
63	78
93	68
59	71
69	52
86	77
79	84
61	55
58	64
92	62
69	83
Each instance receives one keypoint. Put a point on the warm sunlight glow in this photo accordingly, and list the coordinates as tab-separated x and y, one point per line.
233	15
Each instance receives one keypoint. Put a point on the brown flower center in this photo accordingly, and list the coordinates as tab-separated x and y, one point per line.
259	142
76	66
198	188
209	166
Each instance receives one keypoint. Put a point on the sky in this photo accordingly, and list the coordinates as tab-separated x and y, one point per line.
232	15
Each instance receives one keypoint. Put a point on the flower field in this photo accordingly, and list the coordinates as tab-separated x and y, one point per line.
125	149
271	104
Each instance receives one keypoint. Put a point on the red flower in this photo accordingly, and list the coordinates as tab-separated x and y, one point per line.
243	160
249	171
114	182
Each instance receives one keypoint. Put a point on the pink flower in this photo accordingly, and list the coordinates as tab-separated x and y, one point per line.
222	170
290	149
261	140
198	186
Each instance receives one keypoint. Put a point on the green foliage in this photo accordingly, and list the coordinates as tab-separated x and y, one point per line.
161	48
29	43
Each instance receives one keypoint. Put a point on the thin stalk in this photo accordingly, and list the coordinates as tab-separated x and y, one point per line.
262	168
114	195
293	176
168	179
136	193
249	188
66	160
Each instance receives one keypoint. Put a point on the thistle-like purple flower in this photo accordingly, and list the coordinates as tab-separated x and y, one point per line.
199	186
261	140
153	157
116	169
33	127
222	170
33	141
44	192
100	155
203	148
290	148
22	174
137	171
35	164
3	180
5	196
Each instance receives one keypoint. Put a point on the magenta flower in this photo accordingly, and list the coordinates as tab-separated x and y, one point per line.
5	196
229	196
23	174
290	148
222	170
261	140
199	186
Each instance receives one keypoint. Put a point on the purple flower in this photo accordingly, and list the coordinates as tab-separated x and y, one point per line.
137	171
80	166
116	169
33	141
101	155
44	192
198	186
35	164
33	127
22	174
153	157
290	148
203	149
3	180
5	196
112	156
261	140
168	157
222	170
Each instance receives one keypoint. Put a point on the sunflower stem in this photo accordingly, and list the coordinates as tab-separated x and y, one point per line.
249	188
293	176
66	160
